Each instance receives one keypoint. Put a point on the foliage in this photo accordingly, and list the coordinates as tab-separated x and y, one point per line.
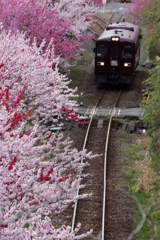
146	13
152	114
137	9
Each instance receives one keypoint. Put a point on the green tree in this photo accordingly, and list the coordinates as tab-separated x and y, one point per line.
152	113
151	19
146	14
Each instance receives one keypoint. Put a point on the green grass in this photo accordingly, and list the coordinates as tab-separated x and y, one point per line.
143	198
134	155
79	69
76	75
143	234
132	152
155	164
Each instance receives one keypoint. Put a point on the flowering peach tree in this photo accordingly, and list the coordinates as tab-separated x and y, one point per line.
22	65
40	173
64	22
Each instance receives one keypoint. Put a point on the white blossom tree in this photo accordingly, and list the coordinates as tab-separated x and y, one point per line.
24	65
79	12
39	171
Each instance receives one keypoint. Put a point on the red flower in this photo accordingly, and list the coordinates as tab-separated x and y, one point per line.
13	161
1	65
47	176
64	178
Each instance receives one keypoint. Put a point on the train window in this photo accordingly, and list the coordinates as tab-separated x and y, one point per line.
114	52
127	52
101	51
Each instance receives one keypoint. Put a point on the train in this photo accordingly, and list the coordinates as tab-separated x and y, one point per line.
117	53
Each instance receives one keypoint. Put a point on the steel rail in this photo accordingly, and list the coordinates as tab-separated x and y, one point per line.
105	166
115	12
100	19
94	33
119	19
100	25
105	22
84	146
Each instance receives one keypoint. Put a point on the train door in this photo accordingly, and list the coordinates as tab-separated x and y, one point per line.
113	61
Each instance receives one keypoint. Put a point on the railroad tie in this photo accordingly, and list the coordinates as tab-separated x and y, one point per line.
100	123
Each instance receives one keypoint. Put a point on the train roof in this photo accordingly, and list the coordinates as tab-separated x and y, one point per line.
125	31
123	25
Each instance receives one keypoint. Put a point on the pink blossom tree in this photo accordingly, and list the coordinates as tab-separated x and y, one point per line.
65	22
39	171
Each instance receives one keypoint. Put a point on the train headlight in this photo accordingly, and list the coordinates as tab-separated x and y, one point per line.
100	63
114	63
115	39
127	64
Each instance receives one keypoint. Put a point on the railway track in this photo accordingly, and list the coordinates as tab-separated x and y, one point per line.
91	212
101	20
115	216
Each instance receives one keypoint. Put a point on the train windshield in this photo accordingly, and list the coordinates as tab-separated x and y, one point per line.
114	52
127	52
101	51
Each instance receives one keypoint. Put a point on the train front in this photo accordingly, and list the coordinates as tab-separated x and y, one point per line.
116	56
